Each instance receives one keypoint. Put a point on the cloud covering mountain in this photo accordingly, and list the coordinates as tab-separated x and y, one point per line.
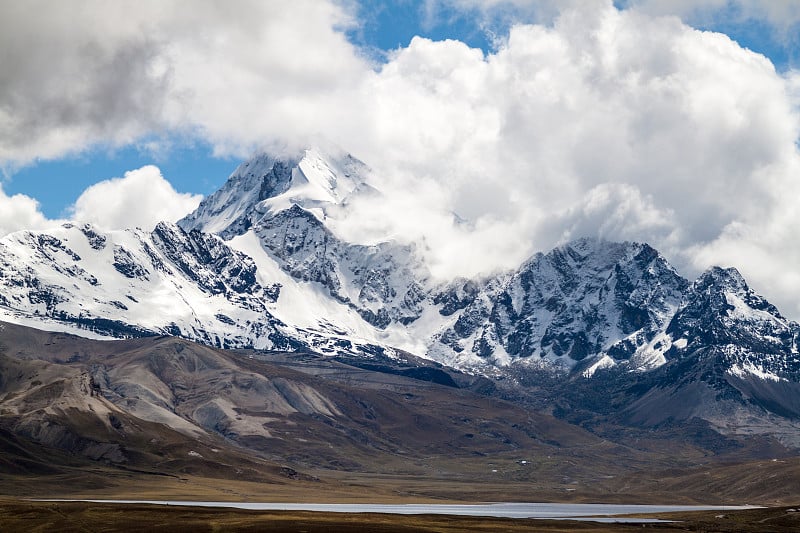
586	119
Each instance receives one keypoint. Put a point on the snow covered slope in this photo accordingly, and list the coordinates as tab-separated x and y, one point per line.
122	284
131	283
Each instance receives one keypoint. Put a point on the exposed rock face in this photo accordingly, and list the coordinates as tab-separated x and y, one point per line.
207	261
383	283
234	208
728	344
726	358
721	311
585	298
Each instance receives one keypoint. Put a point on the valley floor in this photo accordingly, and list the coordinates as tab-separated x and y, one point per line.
699	487
18	513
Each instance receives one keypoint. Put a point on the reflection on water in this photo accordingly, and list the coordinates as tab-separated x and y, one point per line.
499	510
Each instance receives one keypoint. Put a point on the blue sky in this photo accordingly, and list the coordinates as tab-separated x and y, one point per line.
190	164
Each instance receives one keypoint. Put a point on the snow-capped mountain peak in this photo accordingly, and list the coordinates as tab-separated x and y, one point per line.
263	186
228	210
328	179
383	283
582	301
720	310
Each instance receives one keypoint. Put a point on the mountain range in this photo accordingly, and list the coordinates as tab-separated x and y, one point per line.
606	336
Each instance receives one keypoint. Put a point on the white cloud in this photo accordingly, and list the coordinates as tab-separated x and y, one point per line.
782	15
141	198
75	74
617	212
20	212
80	73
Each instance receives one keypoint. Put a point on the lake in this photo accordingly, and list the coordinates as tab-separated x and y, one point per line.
498	510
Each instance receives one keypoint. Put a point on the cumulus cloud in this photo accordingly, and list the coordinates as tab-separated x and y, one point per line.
94	72
20	212
686	118
141	198
73	75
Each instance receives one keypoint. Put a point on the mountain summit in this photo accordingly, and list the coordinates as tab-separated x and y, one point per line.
264	186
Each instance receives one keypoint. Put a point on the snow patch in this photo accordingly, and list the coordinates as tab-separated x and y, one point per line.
604	362
742	370
743	311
